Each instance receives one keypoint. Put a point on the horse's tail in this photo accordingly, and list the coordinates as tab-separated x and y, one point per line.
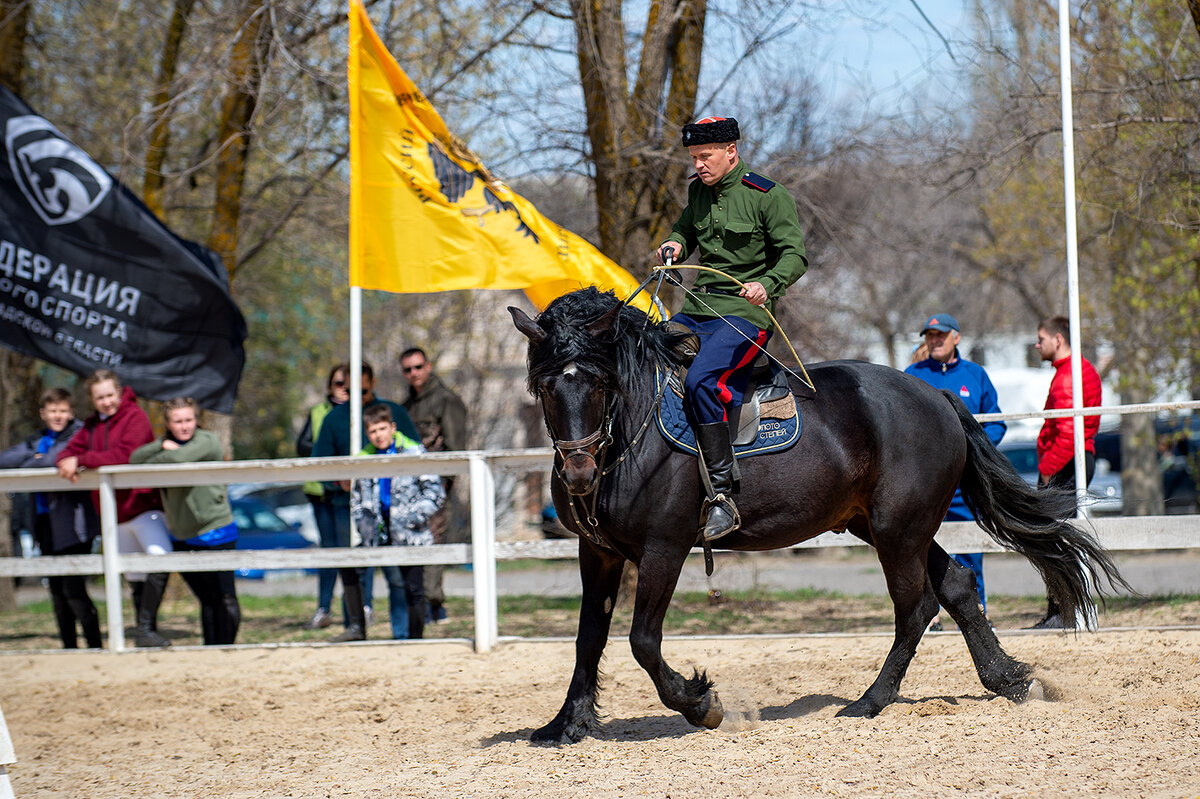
1034	522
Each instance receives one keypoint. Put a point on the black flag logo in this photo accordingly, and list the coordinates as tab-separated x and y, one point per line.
455	182
61	182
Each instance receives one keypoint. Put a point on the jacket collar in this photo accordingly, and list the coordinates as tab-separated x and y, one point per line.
732	179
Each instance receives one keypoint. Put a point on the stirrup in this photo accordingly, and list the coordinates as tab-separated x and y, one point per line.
723	504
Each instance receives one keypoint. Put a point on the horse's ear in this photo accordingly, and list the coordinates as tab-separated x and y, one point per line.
603	325
527	326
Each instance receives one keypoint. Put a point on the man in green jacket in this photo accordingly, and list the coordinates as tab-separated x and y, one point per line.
747	231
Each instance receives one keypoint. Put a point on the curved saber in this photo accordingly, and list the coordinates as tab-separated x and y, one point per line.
666	270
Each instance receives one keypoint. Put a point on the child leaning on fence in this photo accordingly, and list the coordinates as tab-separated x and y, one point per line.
395	511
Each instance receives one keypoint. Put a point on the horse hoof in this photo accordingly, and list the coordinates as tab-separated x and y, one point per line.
551	734
715	714
1042	691
857	710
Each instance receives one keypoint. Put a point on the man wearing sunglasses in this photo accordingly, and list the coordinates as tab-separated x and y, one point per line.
441	418
333	439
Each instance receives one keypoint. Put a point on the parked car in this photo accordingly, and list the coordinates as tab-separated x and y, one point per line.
1104	493
259	527
287	500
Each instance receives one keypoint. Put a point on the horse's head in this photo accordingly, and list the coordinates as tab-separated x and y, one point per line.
567	374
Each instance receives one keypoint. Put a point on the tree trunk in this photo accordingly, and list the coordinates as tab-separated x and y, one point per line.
14	30
8	597
638	166
160	132
1141	478
246	68
1194	8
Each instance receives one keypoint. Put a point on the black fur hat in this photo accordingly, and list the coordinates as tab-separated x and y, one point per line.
711	130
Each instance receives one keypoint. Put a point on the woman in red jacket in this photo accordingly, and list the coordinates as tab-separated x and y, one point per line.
107	438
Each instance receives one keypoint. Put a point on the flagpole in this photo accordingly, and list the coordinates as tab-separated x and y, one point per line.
355	369
1085	618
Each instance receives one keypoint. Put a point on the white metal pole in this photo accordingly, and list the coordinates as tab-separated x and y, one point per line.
355	370
112	564
483	553
1087	616
8	757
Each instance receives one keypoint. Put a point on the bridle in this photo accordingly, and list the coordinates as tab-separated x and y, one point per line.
582	447
601	438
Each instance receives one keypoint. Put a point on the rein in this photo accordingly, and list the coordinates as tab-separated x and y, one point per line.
667	272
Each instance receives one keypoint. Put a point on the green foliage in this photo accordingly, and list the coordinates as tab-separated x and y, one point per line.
296	313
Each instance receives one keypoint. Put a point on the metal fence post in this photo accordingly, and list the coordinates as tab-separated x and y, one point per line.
112	564
483	552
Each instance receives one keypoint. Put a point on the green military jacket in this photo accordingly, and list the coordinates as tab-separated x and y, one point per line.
750	234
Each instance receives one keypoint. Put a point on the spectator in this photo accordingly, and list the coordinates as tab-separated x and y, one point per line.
199	517
1179	486
334	440
65	522
441	418
337	391
396	511
945	369
108	437
1056	441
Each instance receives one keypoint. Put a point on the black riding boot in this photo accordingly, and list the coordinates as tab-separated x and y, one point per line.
356	617
718	516
146	633
65	617
89	620
230	620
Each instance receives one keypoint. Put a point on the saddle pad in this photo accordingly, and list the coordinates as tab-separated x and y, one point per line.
778	425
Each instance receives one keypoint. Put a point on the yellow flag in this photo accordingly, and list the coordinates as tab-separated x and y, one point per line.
426	215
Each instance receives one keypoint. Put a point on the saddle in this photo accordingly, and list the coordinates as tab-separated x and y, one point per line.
766	420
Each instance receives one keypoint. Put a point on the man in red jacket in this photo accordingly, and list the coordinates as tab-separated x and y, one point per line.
1056	442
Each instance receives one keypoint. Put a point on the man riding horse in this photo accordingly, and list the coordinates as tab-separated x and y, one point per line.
746	227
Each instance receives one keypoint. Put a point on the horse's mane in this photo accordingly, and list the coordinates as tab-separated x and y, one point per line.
622	356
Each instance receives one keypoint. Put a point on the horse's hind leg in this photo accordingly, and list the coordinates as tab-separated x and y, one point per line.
954	585
693	697
600	570
914	606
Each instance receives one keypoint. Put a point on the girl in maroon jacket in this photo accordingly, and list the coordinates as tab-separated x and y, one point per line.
107	437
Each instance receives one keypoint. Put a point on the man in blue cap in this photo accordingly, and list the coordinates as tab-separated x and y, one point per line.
945	369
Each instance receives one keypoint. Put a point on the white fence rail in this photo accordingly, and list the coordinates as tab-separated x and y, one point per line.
479	468
1157	532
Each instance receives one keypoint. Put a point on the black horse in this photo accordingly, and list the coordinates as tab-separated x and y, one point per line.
880	456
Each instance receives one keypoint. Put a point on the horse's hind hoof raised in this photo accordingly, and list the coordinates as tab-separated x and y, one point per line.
1040	690
710	713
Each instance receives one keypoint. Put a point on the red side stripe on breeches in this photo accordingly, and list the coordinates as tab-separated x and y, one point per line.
723	392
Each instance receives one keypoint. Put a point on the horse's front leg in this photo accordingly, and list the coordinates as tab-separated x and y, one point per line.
658	573
600	571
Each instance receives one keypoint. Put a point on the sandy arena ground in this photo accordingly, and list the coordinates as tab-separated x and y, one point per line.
437	720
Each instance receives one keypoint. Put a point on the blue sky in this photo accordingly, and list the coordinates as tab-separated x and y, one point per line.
896	47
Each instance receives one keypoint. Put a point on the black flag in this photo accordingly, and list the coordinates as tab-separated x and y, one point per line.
91	279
